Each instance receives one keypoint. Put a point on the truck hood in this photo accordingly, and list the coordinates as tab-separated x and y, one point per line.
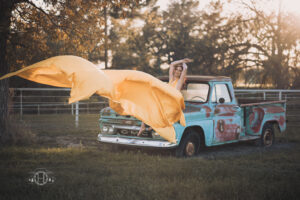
189	108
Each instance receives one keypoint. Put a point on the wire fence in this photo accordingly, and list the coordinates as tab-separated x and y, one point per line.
39	101
292	98
51	101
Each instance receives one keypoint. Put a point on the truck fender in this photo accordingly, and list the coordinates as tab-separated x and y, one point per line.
198	130
274	123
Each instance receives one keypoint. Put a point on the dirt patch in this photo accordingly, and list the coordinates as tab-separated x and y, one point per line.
67	141
240	149
210	153
223	151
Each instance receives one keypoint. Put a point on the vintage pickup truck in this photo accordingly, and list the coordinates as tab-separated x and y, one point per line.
213	117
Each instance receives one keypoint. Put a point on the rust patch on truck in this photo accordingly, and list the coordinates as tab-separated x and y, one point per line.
226	131
225	110
280	119
275	109
255	119
207	110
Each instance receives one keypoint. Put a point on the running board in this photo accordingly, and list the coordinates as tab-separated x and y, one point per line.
248	137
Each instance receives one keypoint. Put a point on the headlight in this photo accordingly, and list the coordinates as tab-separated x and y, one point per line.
104	129
107	129
110	129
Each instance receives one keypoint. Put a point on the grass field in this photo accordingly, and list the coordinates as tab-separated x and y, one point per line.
84	169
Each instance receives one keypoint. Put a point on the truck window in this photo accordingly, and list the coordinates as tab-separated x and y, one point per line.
220	91
197	92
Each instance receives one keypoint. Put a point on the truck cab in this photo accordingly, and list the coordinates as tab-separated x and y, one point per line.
213	117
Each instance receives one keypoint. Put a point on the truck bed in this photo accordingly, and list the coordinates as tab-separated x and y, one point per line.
254	102
257	112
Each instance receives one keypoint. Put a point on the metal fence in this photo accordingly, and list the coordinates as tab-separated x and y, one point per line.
292	98
51	101
55	101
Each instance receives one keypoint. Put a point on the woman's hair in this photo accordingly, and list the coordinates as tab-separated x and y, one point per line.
178	66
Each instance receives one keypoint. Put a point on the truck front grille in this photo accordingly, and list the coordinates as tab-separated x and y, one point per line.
124	130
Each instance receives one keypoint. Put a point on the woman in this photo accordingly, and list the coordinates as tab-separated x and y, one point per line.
177	74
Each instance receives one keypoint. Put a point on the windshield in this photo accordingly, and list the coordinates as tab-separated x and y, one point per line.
196	92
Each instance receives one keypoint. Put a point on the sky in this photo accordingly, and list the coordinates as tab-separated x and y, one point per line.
287	5
164	3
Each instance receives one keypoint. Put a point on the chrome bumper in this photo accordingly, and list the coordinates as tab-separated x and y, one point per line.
115	139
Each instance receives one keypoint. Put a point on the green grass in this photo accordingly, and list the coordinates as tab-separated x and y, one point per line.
62	124
89	172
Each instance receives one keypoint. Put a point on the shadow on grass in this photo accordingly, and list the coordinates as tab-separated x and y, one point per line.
215	152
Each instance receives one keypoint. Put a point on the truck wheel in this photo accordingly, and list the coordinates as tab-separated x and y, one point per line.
267	137
189	146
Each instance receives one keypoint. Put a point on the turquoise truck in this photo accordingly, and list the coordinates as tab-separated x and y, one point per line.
214	116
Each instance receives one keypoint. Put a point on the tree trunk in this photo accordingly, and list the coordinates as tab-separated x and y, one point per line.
5	14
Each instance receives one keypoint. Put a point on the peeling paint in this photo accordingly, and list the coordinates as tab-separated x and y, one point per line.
207	110
225	110
275	109
280	119
256	119
229	132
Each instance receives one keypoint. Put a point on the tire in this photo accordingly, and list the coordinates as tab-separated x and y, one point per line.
267	136
189	145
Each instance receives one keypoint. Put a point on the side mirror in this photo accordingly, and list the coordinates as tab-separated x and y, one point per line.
221	100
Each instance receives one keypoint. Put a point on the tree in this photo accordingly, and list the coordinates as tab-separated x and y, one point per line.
209	37
160	39
213	41
127	42
6	9
274	53
62	28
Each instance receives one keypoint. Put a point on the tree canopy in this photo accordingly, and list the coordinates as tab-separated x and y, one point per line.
31	31
255	47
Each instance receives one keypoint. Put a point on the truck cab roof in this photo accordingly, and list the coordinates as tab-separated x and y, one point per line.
198	78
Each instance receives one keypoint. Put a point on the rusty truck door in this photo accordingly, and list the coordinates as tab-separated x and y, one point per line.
226	114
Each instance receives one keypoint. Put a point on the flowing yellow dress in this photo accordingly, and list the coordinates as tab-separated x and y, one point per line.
130	92
174	83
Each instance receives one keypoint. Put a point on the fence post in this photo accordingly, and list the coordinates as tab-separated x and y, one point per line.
280	95
76	113
21	104
72	108
38	108
264	95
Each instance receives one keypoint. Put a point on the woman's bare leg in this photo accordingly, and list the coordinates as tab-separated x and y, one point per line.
142	129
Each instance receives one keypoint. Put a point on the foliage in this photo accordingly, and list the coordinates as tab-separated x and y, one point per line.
32	32
256	46
274	40
70	27
213	41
